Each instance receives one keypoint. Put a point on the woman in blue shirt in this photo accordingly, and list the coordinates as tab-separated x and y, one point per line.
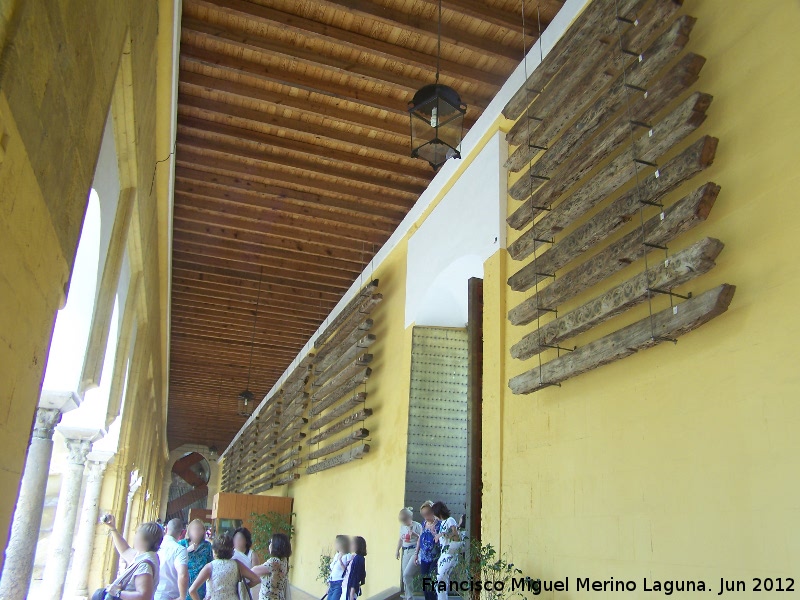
428	550
356	573
200	553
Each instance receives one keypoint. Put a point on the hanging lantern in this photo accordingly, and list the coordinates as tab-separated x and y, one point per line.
246	403
437	124
437	118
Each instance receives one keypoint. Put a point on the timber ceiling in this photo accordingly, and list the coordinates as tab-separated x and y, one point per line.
293	158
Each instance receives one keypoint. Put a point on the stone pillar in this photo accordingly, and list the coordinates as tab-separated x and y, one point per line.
21	548
125	525
84	540
60	542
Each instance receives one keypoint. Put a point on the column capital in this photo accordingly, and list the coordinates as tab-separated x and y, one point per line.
63	401
77	450
46	421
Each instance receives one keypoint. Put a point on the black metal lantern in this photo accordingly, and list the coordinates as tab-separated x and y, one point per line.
246	403
437	124
437	118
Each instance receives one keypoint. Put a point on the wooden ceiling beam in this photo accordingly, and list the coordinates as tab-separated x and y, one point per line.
273	75
480	11
272	266
386	122
191	207
314	296
262	154
271	274
191	28
301	201
263	329
237	335
298	260
394	147
242	206
238	310
230	371
194	311
350	39
222	110
422	25
230	163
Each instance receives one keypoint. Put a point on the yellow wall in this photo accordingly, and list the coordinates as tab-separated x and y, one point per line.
363	497
676	462
59	64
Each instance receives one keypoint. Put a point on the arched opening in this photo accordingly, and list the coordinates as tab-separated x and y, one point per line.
189	487
73	322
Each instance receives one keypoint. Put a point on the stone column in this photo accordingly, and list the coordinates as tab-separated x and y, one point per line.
84	540
162	510
60	542
21	548
125	525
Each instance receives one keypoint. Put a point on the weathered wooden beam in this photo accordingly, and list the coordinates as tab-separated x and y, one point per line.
339	459
323	362
286	479
596	21
262	488
607	180
680	268
364	299
351	384
292	464
586	158
674	172
357	417
665	325
678	218
297	437
344	408
619	95
358	434
356	368
343	357
553	98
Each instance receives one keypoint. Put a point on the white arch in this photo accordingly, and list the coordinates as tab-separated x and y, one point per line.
73	322
445	302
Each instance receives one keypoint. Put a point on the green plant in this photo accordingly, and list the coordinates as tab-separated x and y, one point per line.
324	566
263	526
499	579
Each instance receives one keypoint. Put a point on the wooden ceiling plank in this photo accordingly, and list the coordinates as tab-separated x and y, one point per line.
416	171
306	128
237	190
331	34
298	269
304	164
353	211
481	11
228	163
297	54
421	25
274	272
242	206
239	222
391	123
314	296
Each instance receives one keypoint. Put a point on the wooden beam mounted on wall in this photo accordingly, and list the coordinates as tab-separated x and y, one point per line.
358	434
357	304
356	417
666	325
339	459
351	403
678	269
682	216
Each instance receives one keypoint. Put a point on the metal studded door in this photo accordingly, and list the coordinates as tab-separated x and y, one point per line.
436	460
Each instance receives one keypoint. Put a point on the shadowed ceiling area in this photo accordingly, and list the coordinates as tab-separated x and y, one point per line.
293	168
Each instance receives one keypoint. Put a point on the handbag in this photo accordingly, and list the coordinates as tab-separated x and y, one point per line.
243	589
123	580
